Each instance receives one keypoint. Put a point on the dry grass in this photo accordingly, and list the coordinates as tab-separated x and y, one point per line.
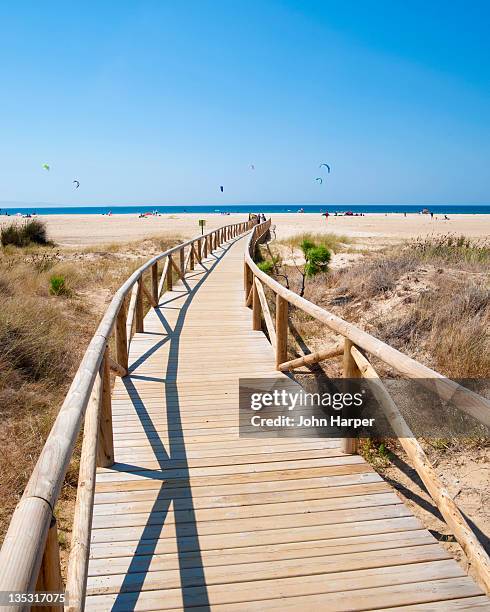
428	298
451	249
374	277
451	323
42	340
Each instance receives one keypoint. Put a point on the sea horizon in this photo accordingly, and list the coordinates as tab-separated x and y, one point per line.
245	208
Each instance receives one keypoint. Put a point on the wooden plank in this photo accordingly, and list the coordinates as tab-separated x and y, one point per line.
329	517
310	533
331	484
337	591
280	569
189	513
370	597
271	552
115	502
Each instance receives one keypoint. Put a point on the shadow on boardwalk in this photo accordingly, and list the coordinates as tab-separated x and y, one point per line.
179	494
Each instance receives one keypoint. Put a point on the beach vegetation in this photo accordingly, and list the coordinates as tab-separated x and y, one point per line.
266	266
42	341
450	248
333	242
306	258
31	231
58	285
429	298
316	257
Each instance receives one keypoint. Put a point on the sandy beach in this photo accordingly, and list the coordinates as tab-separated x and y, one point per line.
90	230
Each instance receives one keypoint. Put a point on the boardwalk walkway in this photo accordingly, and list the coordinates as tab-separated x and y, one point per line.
190	515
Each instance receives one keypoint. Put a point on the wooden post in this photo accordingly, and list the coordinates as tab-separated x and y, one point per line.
281	330
247	280
131	312
182	263
105	447
192	259
49	577
139	307
170	272
198	246
121	337
256	318
205	247
76	582
350	370
265	311
154	281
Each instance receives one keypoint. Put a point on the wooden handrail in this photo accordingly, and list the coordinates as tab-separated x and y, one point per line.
465	399
477	556
355	364
24	544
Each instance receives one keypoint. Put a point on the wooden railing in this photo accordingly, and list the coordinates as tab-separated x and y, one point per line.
353	349
29	558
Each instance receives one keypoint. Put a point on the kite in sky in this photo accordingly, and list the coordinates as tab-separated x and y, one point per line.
46	166
319	179
252	166
221	188
77	184
326	166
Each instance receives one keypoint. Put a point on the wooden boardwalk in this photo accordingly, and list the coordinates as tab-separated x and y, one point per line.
190	515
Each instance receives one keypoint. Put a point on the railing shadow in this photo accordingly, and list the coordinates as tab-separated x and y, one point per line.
428	506
191	568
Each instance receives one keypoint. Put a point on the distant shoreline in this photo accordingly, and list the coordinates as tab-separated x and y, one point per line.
439	209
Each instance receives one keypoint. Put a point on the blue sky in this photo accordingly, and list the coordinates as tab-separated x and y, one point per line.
161	102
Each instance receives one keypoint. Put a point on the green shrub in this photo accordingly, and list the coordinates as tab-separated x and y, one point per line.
307	245
266	266
58	286
32	231
317	258
333	242
35	231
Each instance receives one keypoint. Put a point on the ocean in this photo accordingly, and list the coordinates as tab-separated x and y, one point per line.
444	209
